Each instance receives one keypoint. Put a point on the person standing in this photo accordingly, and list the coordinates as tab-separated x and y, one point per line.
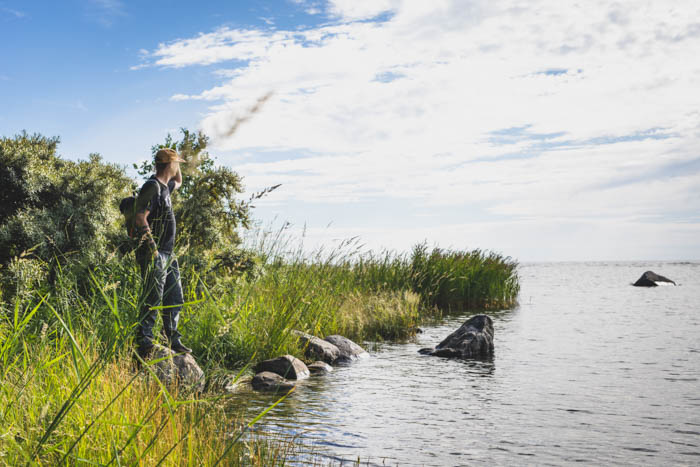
155	224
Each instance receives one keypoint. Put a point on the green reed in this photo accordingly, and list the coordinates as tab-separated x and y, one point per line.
69	392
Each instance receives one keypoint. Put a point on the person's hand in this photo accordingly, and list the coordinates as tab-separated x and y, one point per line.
147	238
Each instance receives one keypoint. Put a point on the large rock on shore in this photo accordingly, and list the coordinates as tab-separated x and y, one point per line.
179	369
317	349
651	279
473	339
349	351
268	381
286	366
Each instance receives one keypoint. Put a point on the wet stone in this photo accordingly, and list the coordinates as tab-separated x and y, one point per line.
651	279
316	348
320	368
268	381
473	339
286	366
349	351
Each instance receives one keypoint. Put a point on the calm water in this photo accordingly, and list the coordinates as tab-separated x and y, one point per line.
587	369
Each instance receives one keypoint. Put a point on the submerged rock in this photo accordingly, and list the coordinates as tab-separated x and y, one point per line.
349	351
180	369
320	367
234	386
473	339
316	348
651	279
268	381
286	366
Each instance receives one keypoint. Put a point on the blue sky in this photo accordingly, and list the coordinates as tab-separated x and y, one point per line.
66	68
546	131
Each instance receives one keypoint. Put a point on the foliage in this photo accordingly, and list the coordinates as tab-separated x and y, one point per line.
65	399
68	391
54	211
206	208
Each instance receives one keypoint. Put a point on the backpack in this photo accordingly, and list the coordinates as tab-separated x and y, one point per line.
127	208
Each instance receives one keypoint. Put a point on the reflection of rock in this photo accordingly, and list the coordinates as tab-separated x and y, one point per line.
473	339
177	368
286	366
349	351
651	279
320	367
316	348
268	381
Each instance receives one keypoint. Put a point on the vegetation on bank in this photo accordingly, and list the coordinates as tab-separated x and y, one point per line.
70	299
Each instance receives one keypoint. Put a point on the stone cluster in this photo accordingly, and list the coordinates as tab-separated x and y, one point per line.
281	374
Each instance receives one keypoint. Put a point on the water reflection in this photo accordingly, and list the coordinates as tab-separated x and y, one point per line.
588	369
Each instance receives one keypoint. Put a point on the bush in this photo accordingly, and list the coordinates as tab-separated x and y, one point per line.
59	213
207	210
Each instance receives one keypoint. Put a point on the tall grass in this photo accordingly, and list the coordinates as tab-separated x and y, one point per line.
69	392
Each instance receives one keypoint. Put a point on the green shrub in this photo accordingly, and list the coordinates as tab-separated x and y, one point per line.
59	212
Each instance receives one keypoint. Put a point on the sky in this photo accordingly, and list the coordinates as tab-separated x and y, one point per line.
545	130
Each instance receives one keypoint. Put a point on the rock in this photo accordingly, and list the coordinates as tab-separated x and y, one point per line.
320	367
181	369
316	348
286	366
234	386
268	381
651	279
349	351
473	339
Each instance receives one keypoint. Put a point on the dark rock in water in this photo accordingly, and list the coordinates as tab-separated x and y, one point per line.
650	279
473	339
286	366
349	351
316	348
179	369
320	367
268	381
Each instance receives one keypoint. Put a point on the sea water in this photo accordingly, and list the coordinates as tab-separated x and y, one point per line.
586	369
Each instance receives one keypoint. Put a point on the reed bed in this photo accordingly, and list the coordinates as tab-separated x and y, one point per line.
69	392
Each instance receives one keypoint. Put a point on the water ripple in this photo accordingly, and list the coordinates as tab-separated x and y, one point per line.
588	370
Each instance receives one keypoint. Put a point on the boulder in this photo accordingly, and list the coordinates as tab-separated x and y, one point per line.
316	348
473	339
651	279
286	366
180	369
320	367
349	351
268	381
237	385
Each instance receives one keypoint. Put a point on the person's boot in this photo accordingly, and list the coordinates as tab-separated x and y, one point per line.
178	347
144	350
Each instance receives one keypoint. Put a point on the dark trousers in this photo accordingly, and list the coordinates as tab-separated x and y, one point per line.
161	282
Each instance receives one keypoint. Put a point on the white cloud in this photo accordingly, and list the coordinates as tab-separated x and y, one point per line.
105	12
601	102
354	10
16	13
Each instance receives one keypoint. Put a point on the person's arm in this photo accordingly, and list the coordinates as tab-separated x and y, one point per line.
142	209
177	179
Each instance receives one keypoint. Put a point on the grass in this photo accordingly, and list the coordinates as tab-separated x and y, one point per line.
118	419
69	393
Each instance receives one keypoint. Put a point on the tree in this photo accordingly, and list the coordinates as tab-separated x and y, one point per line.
54	210
206	207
